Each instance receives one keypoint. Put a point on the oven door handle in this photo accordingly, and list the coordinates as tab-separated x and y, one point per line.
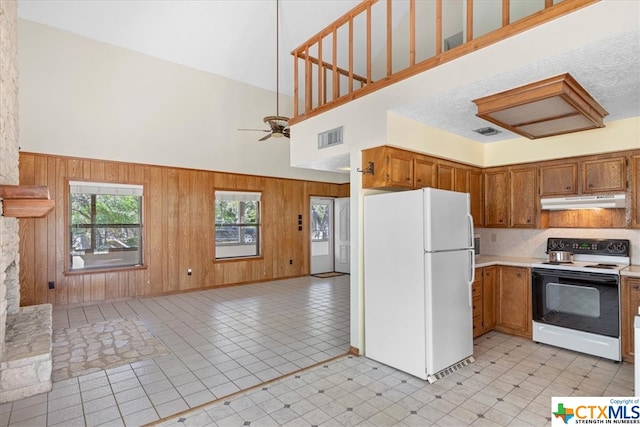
582	275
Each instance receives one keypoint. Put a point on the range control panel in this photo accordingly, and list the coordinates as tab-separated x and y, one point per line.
609	247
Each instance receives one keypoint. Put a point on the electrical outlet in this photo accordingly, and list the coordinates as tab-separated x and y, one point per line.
493	237
52	285
189	272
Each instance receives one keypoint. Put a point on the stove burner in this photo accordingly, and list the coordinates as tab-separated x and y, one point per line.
609	266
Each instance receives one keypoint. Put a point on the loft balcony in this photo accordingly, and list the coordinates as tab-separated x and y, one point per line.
379	43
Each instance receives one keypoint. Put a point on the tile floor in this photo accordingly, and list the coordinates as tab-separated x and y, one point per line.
220	341
225	340
510	384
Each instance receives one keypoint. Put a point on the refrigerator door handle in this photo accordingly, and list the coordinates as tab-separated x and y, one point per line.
472	275
470	219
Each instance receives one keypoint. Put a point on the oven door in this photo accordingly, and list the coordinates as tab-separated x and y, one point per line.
577	300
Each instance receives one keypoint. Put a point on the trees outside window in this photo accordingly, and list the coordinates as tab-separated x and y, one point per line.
237	224
105	225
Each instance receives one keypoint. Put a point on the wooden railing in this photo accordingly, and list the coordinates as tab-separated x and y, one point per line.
357	55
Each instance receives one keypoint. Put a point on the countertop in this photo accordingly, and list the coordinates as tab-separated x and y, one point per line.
487	260
631	271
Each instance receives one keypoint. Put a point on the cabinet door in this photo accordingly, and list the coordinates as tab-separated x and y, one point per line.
475	192
496	187
424	173
477	293
513	315
559	180
630	297
635	191
604	175
524	198
445	176
400	169
489	275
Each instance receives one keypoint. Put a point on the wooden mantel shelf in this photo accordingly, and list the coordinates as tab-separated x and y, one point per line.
26	201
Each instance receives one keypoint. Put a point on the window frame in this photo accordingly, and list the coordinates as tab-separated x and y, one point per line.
123	188
249	195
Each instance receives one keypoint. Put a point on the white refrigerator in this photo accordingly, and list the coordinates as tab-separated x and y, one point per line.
418	274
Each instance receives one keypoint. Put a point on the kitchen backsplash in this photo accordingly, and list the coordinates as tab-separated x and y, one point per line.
533	243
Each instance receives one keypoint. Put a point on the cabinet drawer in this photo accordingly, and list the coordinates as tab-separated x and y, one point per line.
476	289
477	306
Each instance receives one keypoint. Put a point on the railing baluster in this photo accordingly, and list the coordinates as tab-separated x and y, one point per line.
308	101
469	20
350	55
321	100
505	13
389	49
412	32
438	27
295	83
368	45
336	76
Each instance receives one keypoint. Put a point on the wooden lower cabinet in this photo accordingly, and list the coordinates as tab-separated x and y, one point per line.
630	301
484	306
513	297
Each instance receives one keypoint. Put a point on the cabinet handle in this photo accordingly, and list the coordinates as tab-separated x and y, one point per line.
499	220
408	178
568	188
590	185
636	287
419	180
528	220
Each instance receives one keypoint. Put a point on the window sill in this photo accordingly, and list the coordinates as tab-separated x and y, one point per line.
248	258
103	270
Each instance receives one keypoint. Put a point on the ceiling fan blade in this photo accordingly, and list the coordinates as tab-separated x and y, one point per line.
286	132
264	138
258	130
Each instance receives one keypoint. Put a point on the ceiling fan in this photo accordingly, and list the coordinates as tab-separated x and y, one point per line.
278	125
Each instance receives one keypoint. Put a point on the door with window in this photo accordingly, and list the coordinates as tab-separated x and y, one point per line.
330	235
322	249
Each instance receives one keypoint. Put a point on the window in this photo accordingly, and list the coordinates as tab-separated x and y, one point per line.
237	224
105	225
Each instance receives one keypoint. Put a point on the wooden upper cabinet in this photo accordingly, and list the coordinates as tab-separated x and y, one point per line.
635	191
559	180
524	198
400	170
446	174
604	175
393	168
475	190
496	197
424	170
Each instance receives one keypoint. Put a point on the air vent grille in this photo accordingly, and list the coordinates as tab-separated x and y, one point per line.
330	138
487	131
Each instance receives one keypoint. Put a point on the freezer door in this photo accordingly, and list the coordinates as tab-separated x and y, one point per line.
449	316
448	223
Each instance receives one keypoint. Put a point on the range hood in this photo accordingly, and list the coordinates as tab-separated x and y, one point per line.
608	201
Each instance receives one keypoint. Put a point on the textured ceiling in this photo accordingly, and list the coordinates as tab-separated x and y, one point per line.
608	70
236	39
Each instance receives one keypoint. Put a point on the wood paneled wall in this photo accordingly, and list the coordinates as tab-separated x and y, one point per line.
178	231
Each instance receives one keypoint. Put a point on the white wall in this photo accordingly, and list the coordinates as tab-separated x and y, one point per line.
83	98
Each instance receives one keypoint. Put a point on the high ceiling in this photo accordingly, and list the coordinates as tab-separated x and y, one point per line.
236	39
231	38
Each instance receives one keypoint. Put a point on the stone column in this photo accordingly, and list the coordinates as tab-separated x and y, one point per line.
8	159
